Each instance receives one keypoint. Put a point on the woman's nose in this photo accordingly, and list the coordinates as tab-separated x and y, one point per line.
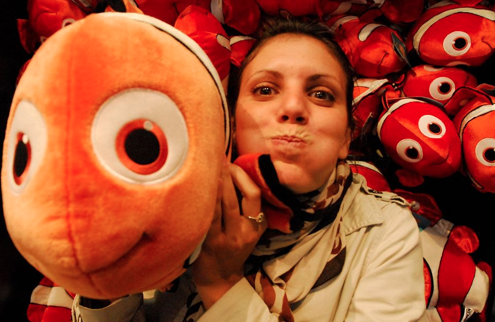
294	108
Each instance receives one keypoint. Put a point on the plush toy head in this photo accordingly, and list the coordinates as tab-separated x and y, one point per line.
372	48
420	137
113	150
474	123
435	83
449	34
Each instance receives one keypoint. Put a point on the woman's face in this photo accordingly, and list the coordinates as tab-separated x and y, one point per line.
292	105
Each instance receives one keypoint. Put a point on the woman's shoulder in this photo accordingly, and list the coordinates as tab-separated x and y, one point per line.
364	206
362	193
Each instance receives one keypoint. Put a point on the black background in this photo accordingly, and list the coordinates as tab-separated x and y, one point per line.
17	277
459	202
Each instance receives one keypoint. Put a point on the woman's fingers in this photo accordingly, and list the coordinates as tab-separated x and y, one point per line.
216	223
229	203
232	236
232	216
251	197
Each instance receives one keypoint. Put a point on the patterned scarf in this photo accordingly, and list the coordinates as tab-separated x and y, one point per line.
285	267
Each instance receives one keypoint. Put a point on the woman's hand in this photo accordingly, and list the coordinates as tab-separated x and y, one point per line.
232	236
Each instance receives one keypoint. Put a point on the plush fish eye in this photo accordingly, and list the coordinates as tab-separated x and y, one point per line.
431	126
140	136
27	143
142	146
22	157
409	150
485	152
442	88
457	43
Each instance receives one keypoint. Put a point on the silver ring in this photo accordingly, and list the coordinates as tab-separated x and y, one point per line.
259	219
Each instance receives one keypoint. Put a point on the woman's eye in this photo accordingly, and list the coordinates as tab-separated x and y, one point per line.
263	90
322	95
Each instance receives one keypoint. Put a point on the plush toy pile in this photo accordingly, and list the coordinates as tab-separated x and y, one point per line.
422	103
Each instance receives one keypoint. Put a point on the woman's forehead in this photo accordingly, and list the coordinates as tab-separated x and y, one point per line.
292	51
291	44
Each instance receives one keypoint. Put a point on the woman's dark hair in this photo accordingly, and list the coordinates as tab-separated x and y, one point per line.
274	26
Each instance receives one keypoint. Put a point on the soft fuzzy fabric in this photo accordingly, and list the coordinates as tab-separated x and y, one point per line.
82	225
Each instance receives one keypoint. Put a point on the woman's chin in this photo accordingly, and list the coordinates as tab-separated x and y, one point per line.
296	179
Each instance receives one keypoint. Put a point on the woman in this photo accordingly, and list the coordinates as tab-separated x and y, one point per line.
348	253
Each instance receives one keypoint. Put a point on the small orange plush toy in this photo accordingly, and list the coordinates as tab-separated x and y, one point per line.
112	156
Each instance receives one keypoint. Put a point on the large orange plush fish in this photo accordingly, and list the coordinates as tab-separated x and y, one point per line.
449	34
113	149
474	119
420	137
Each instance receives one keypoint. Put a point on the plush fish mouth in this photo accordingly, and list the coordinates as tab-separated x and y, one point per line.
486	43
442	161
133	248
446	163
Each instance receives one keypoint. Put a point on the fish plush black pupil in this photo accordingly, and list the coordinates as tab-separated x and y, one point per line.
434	128
444	88
20	158
460	43
412	153
142	146
490	155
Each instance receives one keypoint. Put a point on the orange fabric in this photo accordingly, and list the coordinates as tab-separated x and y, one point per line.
80	224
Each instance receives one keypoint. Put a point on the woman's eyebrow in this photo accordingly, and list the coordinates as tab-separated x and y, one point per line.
331	79
318	76
268	71
263	73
